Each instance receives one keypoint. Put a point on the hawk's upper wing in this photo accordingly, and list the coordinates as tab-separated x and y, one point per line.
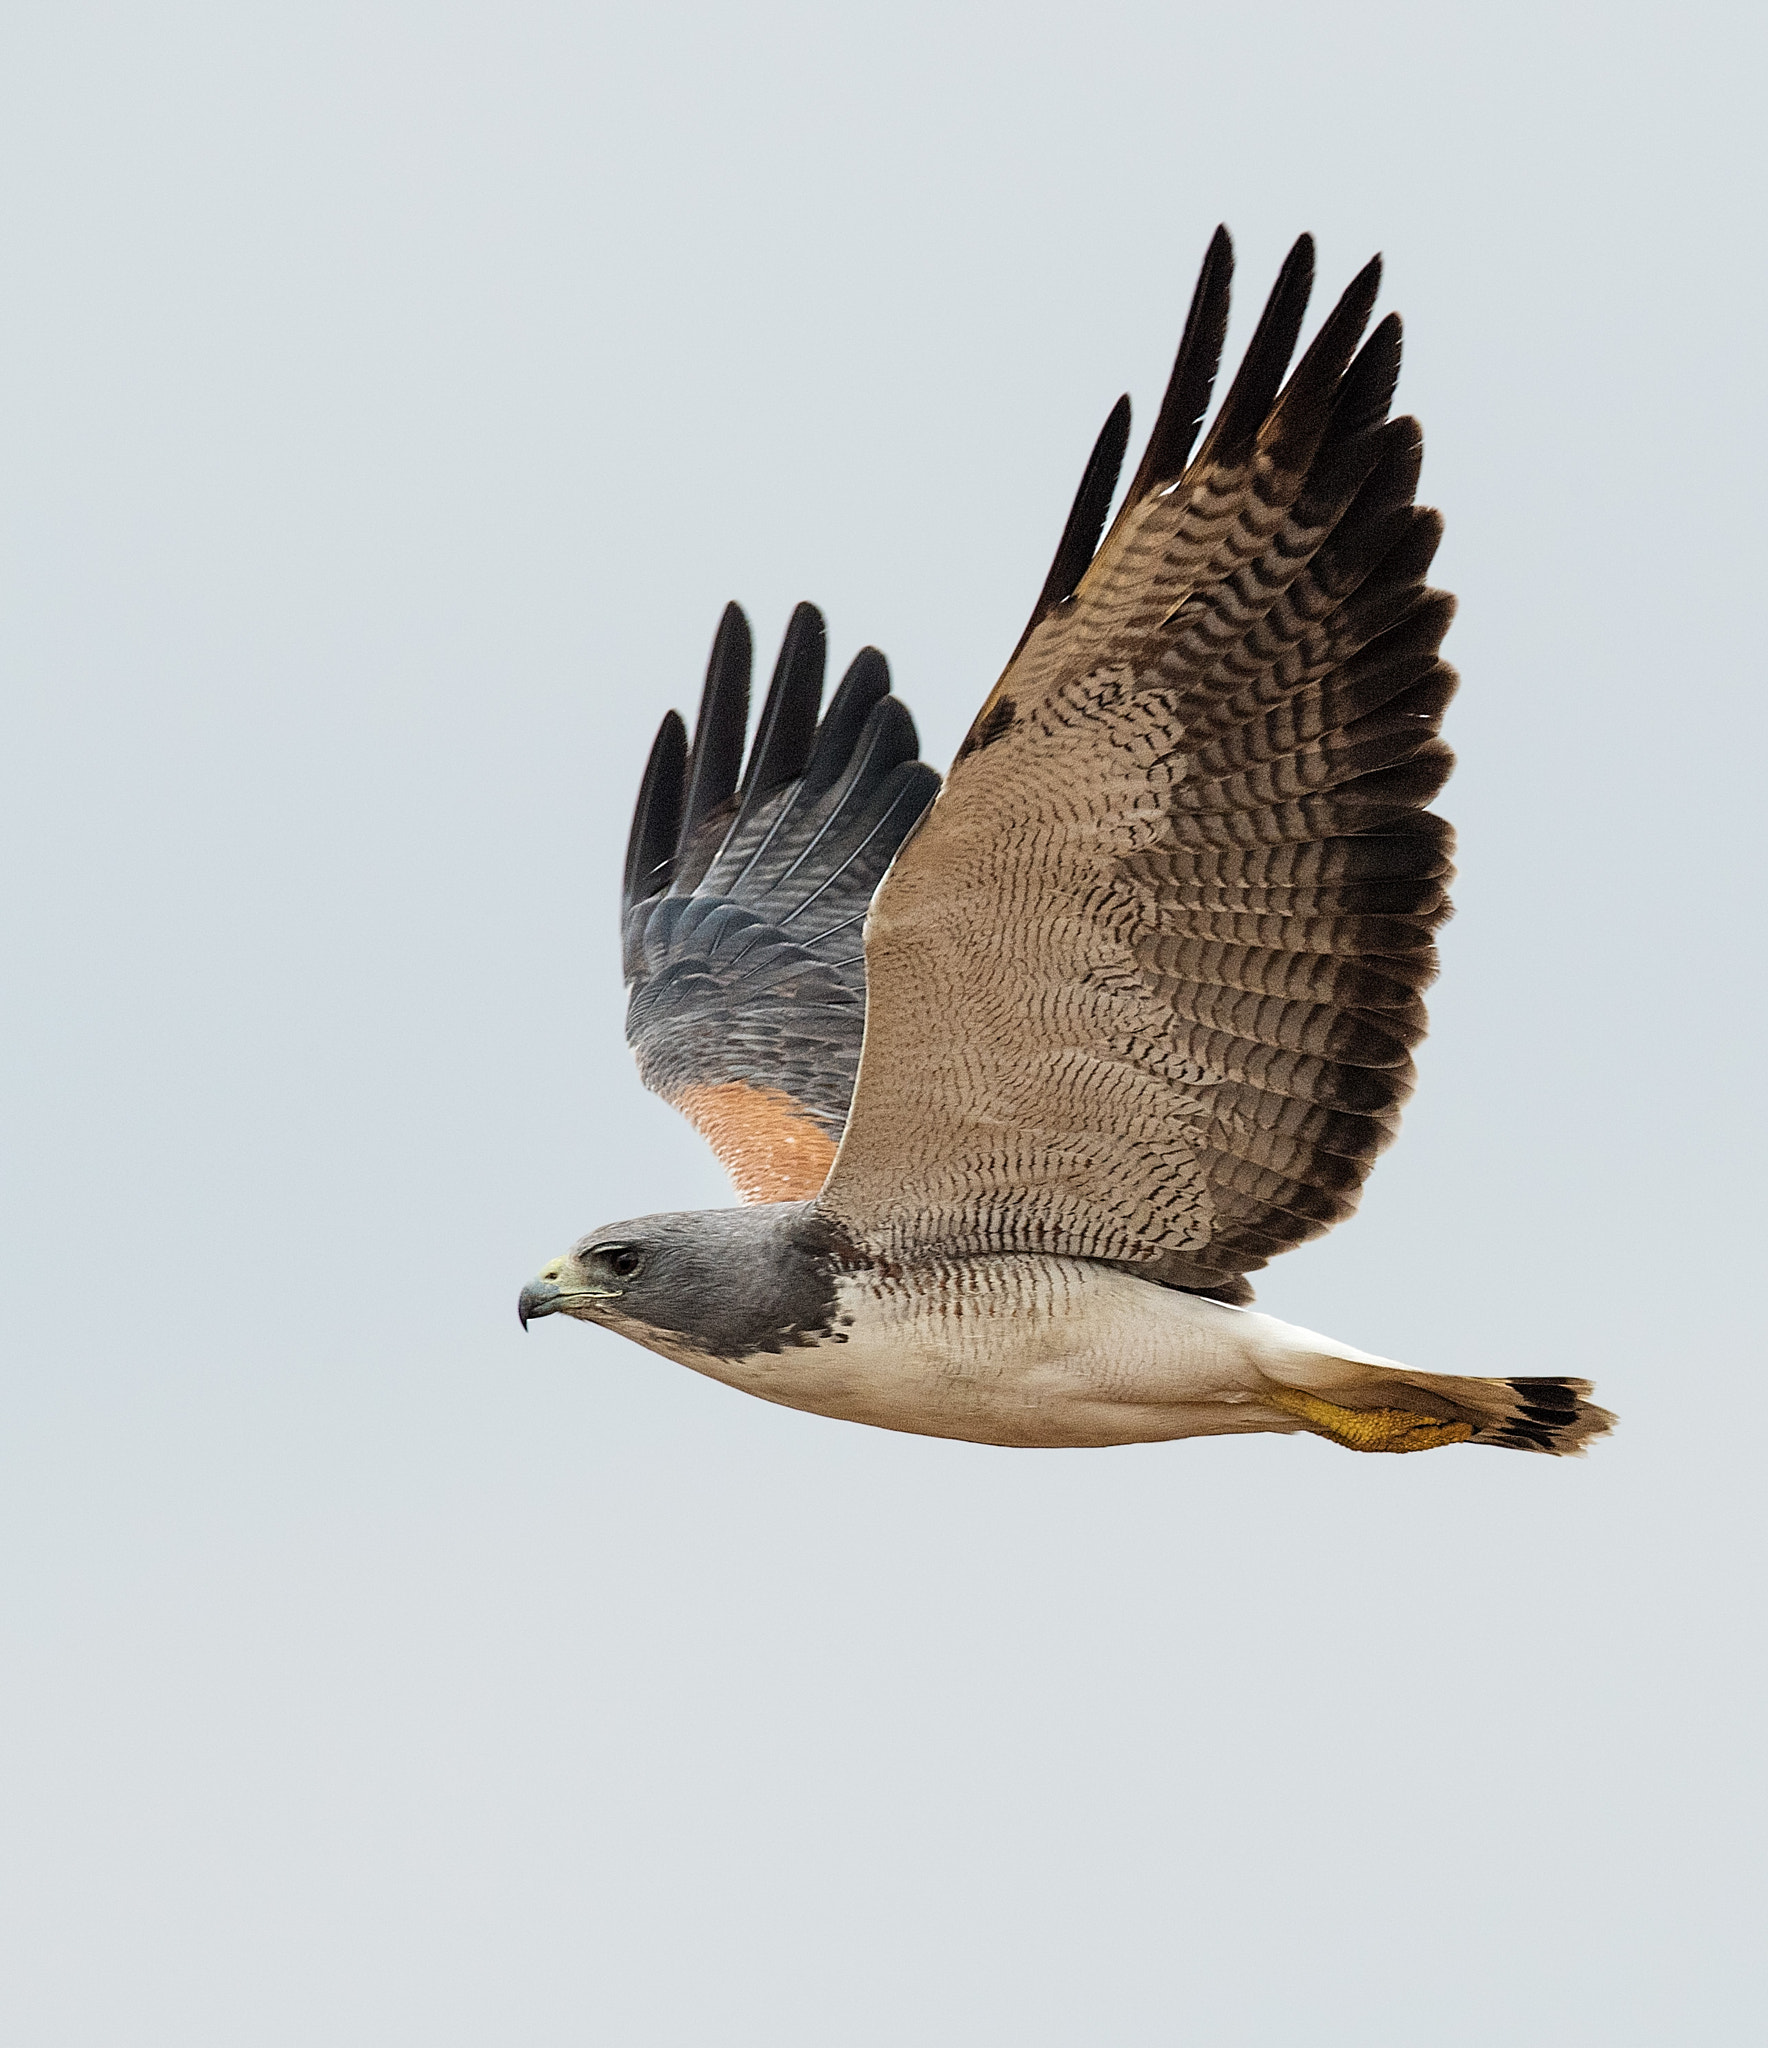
743	902
1146	983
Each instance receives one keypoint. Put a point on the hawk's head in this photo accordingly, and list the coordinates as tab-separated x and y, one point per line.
726	1282
598	1272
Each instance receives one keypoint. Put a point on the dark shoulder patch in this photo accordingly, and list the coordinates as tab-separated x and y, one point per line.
994	724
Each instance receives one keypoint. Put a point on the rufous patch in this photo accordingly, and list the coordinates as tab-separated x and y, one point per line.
771	1149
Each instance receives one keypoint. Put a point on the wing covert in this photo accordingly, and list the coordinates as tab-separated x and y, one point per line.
745	890
1146	983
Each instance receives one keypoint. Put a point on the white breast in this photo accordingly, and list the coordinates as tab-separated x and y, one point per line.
1027	1351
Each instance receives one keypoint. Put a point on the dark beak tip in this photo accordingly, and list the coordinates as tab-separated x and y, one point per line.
538	1298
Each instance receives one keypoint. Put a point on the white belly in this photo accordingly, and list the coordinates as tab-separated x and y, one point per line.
1030	1351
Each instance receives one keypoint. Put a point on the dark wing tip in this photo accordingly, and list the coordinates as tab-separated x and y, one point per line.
1193	377
865	684
1292	431
1260	376
1343	329
717	752
1366	390
1086	516
788	719
656	817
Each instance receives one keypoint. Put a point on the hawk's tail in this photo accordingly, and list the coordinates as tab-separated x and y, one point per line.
1368	1406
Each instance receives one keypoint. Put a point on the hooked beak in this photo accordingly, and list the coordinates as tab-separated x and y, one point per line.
556	1290
538	1298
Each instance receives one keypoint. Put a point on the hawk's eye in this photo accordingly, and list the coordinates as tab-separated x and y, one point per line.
624	1262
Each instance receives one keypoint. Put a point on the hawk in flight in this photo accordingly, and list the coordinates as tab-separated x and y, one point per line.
1019	1077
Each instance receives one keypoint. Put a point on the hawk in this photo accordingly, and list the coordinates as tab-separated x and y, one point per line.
1021	1075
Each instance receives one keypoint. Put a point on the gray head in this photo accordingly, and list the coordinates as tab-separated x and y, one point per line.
728	1282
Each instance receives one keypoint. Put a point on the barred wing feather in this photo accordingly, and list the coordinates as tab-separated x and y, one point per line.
1146	984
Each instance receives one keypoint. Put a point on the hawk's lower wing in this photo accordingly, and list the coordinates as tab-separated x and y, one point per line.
1145	985
744	901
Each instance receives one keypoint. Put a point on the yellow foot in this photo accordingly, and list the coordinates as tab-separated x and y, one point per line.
1369	1429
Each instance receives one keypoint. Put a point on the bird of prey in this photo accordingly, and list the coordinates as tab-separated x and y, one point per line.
1138	988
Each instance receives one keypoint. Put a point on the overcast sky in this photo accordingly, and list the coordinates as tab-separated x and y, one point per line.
393	396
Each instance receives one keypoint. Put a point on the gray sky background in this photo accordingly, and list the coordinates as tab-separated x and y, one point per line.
393	396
